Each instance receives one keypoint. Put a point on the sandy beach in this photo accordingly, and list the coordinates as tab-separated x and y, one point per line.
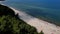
40	25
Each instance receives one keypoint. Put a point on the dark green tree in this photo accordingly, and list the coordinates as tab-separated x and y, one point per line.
11	24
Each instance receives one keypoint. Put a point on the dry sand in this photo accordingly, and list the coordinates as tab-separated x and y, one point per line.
46	27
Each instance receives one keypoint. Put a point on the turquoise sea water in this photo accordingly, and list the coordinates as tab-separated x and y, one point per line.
38	8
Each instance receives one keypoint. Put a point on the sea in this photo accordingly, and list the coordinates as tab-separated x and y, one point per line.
47	10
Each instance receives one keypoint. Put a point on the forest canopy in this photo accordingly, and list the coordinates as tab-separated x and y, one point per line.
11	24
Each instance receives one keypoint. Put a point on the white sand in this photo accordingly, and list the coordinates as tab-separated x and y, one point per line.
46	27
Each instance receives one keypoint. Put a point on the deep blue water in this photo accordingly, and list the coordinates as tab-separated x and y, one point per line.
44	8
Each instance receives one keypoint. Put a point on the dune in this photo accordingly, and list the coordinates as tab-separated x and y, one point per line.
40	25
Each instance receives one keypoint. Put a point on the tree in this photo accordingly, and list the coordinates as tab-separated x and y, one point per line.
11	24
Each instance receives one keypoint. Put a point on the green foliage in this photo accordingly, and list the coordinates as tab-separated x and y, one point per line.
11	24
4	10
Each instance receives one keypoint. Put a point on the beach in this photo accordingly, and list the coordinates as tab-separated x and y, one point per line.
39	24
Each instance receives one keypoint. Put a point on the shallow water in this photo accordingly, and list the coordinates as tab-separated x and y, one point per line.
38	8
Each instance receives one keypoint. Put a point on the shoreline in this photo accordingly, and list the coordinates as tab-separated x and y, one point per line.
40	25
36	17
